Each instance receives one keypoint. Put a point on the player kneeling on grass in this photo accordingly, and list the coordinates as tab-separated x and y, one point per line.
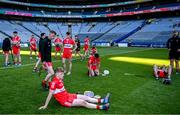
163	72
94	65
66	99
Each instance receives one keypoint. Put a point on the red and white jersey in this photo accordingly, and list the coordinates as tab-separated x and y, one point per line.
16	39
68	44
93	61
58	41
32	42
57	88
86	41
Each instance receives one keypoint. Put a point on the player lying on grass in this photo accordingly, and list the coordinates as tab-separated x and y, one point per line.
66	99
162	72
94	65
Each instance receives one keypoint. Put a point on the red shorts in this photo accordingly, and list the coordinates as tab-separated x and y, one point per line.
68	101
93	67
67	55
86	47
57	49
39	55
47	64
6	52
33	48
16	51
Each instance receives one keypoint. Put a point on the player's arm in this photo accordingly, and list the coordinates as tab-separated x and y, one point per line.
75	46
47	101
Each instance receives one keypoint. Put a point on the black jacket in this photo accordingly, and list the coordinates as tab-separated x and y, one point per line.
173	44
6	46
46	50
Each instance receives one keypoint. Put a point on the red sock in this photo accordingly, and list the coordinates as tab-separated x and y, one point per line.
99	100
98	107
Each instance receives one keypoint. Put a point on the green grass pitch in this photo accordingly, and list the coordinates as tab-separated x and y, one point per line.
21	92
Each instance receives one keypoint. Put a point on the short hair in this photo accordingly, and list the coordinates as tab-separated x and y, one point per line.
68	33
15	32
52	31
42	34
96	55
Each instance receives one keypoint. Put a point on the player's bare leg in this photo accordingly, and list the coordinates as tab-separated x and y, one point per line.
64	64
91	73
19	59
30	54
36	54
6	59
15	60
48	76
70	66
155	69
37	63
87	102
169	72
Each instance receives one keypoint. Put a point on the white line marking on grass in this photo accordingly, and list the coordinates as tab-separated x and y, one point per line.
25	65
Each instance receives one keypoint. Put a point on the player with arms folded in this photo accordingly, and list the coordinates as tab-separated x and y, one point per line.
57	43
33	46
16	40
68	44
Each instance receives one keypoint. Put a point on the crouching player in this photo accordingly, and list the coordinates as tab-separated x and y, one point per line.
162	72
67	99
94	65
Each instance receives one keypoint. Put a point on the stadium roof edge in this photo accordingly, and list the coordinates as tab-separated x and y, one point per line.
73	6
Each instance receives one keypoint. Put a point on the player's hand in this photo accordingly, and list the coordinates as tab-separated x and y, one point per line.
42	107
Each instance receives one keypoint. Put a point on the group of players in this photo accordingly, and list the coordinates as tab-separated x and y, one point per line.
56	85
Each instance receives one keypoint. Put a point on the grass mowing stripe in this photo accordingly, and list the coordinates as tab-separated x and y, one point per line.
2	68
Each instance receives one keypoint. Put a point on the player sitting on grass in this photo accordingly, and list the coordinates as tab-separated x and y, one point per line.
162	72
94	65
66	99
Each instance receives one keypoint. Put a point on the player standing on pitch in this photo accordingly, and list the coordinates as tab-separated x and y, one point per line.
33	46
78	48
46	57
16	40
173	45
68	44
43	35
67	99
6	46
86	46
57	43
